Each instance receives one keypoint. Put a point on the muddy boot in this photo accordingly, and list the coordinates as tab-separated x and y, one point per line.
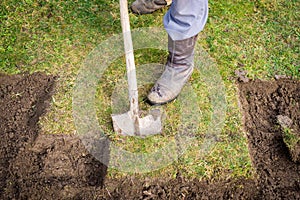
148	6
178	70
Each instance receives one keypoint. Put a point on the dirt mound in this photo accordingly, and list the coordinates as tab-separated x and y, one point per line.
38	166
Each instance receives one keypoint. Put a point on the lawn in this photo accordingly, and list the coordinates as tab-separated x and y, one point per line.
55	37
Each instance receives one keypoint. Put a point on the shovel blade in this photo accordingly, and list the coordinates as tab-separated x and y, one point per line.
149	125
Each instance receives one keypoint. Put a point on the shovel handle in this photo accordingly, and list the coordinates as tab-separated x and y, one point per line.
130	65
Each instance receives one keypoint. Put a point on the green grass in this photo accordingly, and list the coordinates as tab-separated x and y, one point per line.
292	140
261	37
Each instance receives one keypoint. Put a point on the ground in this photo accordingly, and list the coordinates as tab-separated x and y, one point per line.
40	156
45	166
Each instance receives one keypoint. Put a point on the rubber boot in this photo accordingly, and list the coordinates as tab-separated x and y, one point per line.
148	6
177	72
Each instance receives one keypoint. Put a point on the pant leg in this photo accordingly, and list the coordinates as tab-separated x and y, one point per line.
186	18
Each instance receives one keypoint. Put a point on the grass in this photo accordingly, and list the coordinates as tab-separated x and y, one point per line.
292	140
261	37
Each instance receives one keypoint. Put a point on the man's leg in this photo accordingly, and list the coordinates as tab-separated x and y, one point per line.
148	6
183	22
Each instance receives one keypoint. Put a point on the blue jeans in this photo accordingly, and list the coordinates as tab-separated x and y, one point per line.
186	18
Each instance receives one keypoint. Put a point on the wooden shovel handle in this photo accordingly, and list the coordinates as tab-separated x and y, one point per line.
130	65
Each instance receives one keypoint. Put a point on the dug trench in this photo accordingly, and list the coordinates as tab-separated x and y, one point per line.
43	166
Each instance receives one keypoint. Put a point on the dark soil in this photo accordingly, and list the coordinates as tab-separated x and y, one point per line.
263	102
39	166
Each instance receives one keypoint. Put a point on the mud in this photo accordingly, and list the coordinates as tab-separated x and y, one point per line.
40	166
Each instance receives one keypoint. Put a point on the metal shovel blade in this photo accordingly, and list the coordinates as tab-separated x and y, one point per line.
124	124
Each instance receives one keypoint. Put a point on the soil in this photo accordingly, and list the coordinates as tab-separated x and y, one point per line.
43	166
263	103
40	166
